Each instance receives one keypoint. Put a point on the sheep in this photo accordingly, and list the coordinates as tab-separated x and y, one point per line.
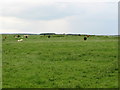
26	36
85	38
17	36
20	40
88	35
49	36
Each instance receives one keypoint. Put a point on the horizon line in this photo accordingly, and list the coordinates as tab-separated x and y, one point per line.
58	33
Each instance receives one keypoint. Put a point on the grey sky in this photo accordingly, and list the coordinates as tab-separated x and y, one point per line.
68	16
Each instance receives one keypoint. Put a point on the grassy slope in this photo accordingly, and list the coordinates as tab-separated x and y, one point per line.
60	62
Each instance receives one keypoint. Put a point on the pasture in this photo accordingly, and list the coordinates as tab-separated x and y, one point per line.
0	61
60	62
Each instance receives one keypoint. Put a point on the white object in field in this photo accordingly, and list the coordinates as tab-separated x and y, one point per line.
20	40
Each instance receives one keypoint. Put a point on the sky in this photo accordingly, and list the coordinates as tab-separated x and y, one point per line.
59	16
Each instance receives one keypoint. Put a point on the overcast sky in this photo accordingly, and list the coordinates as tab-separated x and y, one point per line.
59	16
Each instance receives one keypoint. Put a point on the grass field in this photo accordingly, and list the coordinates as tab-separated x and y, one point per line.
60	62
0	61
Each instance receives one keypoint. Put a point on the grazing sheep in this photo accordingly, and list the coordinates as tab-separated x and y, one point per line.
17	36
26	36
49	36
88	35
20	40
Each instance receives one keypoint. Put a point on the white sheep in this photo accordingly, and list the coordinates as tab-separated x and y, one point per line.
20	40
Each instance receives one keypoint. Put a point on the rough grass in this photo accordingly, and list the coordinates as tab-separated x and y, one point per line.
0	61
60	62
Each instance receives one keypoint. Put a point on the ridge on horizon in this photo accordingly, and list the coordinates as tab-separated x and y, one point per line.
65	33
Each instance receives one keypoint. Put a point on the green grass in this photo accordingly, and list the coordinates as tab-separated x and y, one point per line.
60	62
0	61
